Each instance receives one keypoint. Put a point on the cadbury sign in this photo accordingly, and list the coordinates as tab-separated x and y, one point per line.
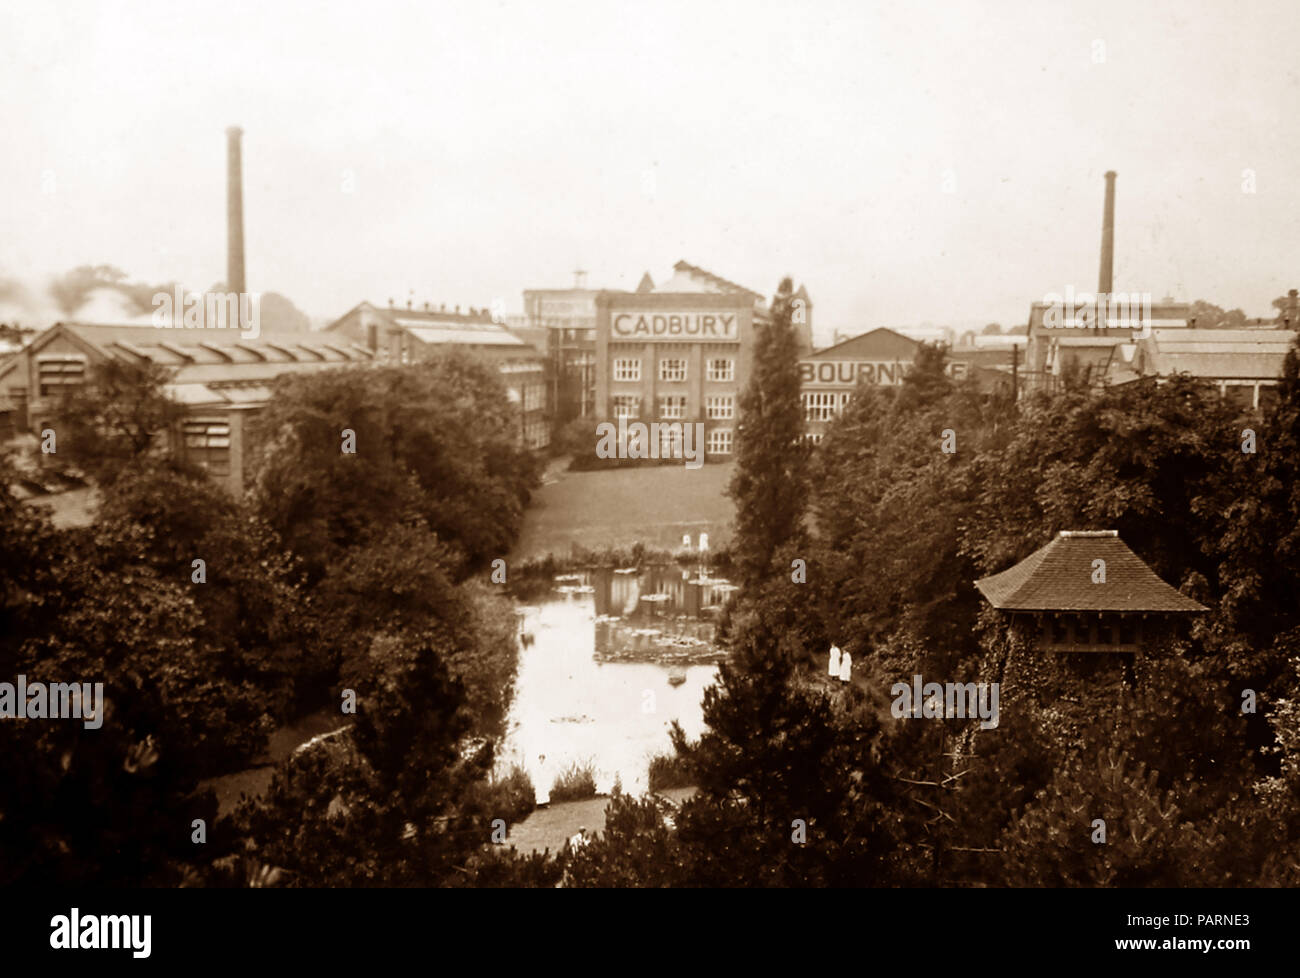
847	373
675	325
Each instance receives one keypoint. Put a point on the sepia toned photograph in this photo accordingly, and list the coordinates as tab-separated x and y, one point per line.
712	445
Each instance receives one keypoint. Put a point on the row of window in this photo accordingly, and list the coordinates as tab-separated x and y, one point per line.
716	442
672	407
720	370
823	405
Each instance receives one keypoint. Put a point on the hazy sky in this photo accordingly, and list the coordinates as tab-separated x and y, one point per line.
493	147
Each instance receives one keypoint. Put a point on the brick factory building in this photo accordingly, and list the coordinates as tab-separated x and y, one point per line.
680	352
880	357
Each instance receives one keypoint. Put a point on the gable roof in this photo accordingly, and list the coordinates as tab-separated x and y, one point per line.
1058	577
722	284
876	344
392	316
1215	353
202	357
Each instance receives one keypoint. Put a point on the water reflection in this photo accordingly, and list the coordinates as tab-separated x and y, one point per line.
609	660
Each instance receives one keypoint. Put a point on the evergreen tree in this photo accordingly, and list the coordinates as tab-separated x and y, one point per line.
770	482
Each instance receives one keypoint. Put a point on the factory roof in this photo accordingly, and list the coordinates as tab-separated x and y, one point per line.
486	335
203	360
880	343
719	283
1214	353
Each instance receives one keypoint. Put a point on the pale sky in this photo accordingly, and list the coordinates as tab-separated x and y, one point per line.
493	147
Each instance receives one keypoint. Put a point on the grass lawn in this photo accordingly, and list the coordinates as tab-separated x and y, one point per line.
550	827
621	507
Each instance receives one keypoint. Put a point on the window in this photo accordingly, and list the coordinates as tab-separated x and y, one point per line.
58	373
719	442
626	406
721	408
813	438
672	370
672	407
670	441
722	369
820	405
627	369
207	444
534	396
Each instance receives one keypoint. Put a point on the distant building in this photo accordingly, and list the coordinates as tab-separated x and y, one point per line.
882	357
1054	351
681	353
568	319
409	335
1245	364
222	380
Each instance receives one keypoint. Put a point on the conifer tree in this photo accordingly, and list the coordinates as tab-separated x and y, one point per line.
770	483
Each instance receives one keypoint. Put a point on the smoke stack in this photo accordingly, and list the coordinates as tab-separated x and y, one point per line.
234	212
1108	237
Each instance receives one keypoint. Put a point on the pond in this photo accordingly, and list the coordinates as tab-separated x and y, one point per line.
608	660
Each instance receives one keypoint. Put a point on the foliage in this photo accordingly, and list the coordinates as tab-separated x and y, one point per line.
669	771
118	418
575	782
769	484
436	443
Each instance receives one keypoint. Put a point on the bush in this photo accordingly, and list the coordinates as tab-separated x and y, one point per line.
577	781
670	771
510	796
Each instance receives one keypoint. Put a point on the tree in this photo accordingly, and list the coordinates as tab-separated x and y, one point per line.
793	785
434	441
377	804
110	805
117	419
1207	315
769	485
992	329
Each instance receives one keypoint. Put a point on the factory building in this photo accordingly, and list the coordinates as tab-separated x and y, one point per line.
1076	338
222	379
583	343
881	357
410	335
680	352
1245	364
568	319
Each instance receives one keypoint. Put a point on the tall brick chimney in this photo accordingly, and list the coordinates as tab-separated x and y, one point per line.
234	212
1108	237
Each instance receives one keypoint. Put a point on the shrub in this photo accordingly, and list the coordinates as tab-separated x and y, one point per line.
575	782
670	771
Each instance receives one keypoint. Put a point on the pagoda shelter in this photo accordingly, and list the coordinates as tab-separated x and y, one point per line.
1085	596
